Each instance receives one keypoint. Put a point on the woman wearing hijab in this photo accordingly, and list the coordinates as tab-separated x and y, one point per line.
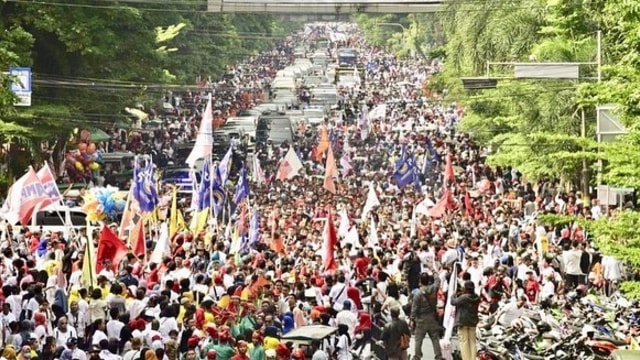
287	323
271	339
40	326
343	343
9	353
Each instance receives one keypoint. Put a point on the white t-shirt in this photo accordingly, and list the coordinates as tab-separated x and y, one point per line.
343	352
347	317
510	312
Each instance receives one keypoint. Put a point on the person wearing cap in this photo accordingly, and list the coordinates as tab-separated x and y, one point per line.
467	319
72	345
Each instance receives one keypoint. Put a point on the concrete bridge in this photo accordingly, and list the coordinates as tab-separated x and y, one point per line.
323	7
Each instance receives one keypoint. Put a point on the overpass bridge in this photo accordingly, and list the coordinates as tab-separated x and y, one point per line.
307	18
324	7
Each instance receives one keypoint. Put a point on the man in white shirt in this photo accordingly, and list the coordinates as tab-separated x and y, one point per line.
572	269
114	326
338	293
347	317
107	271
6	317
63	332
511	312
72	345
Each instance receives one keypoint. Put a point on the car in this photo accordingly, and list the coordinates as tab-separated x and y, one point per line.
180	177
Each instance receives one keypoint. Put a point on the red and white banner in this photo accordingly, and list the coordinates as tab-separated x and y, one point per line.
23	197
48	180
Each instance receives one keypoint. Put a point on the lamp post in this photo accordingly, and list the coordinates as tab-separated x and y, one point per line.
396	25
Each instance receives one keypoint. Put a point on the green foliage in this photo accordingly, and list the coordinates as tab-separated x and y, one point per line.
622	167
404	35
619	236
90	62
555	220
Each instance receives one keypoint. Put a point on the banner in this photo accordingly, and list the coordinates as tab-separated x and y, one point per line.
450	310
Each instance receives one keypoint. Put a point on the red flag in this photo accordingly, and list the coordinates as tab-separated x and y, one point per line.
467	204
136	239
330	241
109	248
449	175
445	203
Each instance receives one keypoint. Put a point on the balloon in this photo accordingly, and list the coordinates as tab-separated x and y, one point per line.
79	166
70	158
91	148
120	204
82	147
94	166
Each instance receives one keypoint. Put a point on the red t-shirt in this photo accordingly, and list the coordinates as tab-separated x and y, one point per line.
531	289
361	265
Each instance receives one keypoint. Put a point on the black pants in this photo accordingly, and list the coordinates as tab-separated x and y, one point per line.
572	281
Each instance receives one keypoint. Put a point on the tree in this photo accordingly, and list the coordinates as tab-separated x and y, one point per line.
91	61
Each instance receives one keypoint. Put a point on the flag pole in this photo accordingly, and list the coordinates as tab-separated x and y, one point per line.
211	206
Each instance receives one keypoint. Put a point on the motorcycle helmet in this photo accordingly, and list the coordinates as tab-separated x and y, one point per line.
588	331
543	327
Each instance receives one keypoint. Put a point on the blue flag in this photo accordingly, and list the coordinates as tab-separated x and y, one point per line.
144	184
242	188
405	171
253	229
224	168
204	191
217	193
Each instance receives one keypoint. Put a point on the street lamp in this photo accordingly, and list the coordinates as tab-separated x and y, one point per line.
393	24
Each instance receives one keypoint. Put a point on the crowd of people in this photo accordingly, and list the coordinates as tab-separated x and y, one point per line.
394	258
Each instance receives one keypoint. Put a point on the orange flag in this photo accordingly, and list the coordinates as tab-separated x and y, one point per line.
323	143
330	170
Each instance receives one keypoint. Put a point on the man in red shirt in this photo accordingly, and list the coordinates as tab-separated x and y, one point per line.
496	288
362	264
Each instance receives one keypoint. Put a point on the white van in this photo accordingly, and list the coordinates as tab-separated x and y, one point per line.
59	218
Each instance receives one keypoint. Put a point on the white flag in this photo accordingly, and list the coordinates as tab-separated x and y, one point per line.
258	174
373	234
203	146
162	245
372	201
343	230
290	166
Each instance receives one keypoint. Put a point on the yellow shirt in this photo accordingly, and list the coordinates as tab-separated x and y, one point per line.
50	266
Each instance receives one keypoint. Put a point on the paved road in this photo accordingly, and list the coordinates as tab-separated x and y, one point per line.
427	349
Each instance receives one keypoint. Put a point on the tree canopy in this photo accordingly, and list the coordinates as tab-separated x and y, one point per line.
90	61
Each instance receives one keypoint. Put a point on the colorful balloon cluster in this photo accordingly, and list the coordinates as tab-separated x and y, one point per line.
82	163
103	202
